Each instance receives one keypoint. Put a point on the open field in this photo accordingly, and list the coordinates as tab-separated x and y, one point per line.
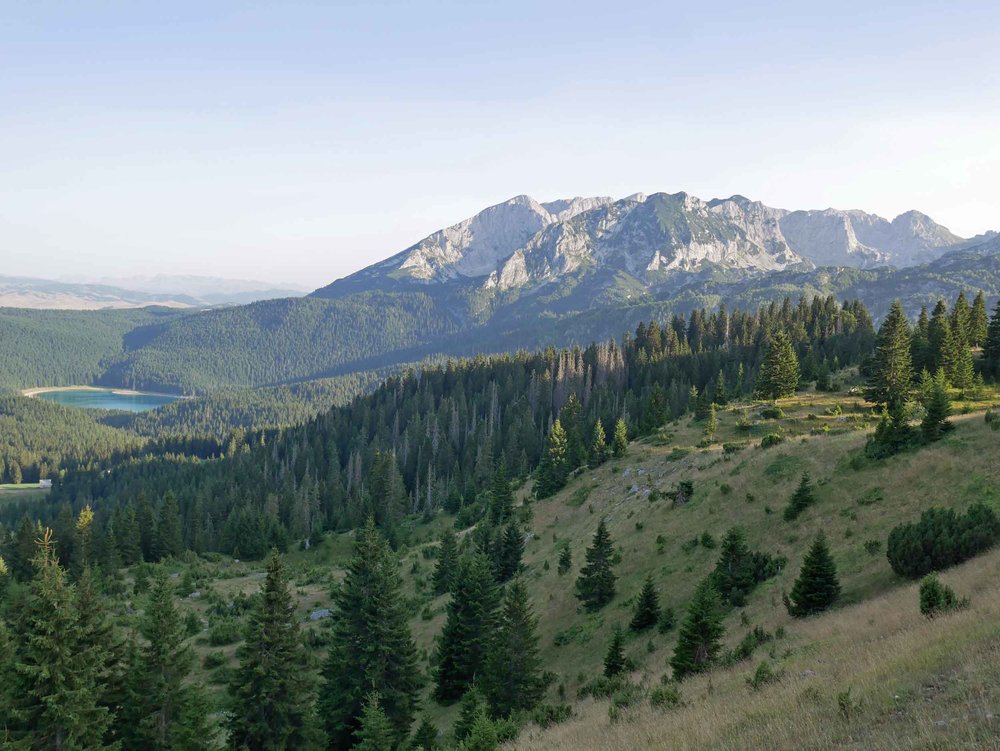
21	492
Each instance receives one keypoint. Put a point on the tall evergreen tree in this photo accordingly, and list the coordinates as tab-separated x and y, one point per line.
468	629
647	607
554	468
802	498
375	732
817	587
512	674
508	550
576	446
614	658
56	679
595	586
734	575
171	712
565	560
501	496
272	690
700	637
937	408
371	648
169	540
473	707
619	444
961	320
943	351
23	549
978	321
779	372
426	737
598	445
891	368
447	562
991	347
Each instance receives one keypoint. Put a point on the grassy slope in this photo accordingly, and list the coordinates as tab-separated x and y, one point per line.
875	642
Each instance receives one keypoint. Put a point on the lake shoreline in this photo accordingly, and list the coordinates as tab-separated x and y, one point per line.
35	391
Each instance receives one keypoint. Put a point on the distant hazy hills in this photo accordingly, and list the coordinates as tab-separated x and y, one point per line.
136	292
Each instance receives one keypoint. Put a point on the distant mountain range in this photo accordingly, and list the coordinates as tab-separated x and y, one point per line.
136	292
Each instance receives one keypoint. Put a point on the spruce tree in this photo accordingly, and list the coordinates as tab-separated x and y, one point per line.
963	375
734	575
565	560
647	607
501	496
598	453
817	587
508	550
169	541
482	737
937	408
891	367
512	674
713	423
23	549
614	658
595	586
468	629
426	737
721	393
371	648
619	443
554	468
961	319
272	690
447	562
375	733
172	712
473	707
56	678
779	372
801	499
699	640
991	347
941	337
978	322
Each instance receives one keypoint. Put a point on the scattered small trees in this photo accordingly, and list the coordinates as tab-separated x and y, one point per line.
817	587
595	586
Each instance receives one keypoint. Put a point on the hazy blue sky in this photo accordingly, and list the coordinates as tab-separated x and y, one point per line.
301	141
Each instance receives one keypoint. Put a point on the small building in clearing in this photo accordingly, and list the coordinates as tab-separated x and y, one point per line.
45	484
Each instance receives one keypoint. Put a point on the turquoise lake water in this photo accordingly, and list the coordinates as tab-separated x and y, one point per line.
88	399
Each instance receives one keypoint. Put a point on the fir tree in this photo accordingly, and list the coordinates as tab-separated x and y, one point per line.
447	562
937	408
509	548
272	691
991	346
501	496
598	446
371	648
565	560
978	322
713	423
700	636
963	372
468	629
619	443
614	658
512	674
656	409
802	498
553	470
891	368
779	372
734	576
817	587
647	607
961	319
171	712
482	737
375	733
23	549
941	337
721	393
595	586
473	707
576	447
426	737
169	541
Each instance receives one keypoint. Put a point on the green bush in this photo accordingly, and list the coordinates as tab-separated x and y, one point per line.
213	660
771	439
546	715
667	696
941	539
937	598
772	413
224	631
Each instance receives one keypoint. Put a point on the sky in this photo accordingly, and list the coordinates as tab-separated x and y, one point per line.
297	142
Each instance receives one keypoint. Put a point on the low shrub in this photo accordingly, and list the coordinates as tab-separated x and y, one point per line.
941	539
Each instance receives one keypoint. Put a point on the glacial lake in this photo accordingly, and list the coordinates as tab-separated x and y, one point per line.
85	398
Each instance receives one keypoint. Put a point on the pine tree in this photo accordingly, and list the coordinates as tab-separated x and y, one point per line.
371	648
426	737
375	732
700	636
509	549
272	691
937	408
172	713
891	368
614	658
595	586
647	607
978	322
56	686
802	498
473	707
598	446
468	629
553	470
779	372
565	560
817	587
447	562
501	496
512	674
619	443
991	347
